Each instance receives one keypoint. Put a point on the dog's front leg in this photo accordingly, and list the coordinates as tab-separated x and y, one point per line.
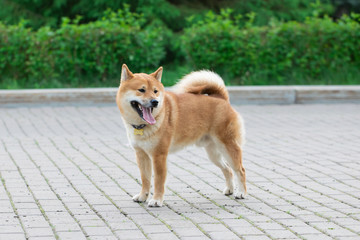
144	164
160	169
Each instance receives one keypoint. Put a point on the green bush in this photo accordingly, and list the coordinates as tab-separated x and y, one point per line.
41	13
283	10
15	42
79	54
318	50
275	52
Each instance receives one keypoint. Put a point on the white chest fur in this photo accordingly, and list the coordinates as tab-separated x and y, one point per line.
147	141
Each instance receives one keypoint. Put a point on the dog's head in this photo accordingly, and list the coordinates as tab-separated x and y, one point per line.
140	96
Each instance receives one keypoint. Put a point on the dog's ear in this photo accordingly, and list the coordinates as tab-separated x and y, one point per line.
157	74
126	74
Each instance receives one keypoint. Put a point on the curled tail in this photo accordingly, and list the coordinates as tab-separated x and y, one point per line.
202	82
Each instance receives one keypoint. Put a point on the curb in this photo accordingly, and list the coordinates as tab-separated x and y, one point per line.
238	95
294	94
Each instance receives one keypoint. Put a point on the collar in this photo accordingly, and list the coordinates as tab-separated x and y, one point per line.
138	127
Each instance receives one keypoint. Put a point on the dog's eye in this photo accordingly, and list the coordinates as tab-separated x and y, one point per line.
141	90
155	91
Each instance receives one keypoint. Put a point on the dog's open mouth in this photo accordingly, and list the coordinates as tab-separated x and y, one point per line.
144	112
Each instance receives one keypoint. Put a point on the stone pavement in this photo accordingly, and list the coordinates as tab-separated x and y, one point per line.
67	173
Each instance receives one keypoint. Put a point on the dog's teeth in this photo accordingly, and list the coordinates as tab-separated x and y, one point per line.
140	107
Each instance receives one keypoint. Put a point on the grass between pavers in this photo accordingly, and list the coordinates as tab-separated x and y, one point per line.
167	205
13	205
96	186
214	202
32	194
273	219
308	198
223	206
347	75
52	189
117	184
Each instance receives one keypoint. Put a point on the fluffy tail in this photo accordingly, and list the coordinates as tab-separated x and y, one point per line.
202	82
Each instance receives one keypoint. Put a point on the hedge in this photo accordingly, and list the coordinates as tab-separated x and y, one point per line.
275	51
79	53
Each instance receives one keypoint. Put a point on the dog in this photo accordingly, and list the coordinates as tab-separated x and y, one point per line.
160	122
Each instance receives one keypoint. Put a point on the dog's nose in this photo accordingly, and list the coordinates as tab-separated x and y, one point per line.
154	103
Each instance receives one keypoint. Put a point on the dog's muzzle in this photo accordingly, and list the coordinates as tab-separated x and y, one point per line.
145	111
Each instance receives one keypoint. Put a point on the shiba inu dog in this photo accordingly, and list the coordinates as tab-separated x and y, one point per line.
159	122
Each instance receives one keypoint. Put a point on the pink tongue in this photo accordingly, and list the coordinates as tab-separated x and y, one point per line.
148	116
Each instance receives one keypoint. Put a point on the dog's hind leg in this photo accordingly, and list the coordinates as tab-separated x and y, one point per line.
145	166
215	157
233	155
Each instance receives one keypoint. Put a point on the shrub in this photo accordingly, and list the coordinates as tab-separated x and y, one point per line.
78	54
275	51
284	10
91	54
41	13
15	42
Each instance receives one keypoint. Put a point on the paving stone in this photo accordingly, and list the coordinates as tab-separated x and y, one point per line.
11	229
40	232
67	227
130	234
194	238
222	235
217	227
247	231
12	236
72	235
155	228
98	231
256	237
305	230
188	232
42	238
279	234
104	238
316	236
162	236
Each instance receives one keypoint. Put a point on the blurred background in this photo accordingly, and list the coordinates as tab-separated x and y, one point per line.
79	43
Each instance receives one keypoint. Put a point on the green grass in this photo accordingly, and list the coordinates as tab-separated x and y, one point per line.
172	73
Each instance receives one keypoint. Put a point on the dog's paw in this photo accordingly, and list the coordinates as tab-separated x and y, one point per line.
140	197
239	195
155	203
228	191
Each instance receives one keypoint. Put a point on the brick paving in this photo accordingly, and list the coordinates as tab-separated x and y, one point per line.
67	172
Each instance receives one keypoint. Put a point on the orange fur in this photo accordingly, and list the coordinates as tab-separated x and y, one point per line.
198	112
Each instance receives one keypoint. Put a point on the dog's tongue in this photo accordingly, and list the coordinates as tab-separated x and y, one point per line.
148	116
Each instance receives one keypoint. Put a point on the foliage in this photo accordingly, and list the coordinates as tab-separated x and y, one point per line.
315	51
50	12
282	10
171	12
80	53
276	51
14	43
